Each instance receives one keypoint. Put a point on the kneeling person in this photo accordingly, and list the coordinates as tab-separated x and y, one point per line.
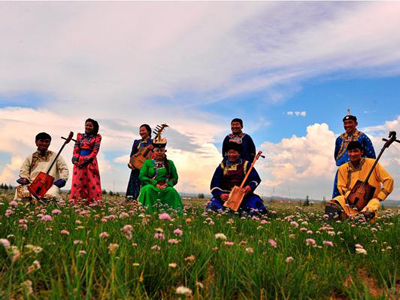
158	176
40	161
349	173
230	173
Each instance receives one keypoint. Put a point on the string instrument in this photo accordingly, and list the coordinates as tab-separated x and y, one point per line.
137	160
158	130
362	192
237	193
43	181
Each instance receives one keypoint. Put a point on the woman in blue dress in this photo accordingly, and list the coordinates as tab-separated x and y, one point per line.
133	189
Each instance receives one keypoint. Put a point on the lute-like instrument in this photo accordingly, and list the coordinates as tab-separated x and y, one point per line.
137	160
43	181
237	193
362	192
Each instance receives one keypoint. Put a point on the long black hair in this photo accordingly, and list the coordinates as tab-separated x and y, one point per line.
95	125
148	128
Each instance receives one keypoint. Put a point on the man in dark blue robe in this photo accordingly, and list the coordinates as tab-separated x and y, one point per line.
230	173
238	136
352	134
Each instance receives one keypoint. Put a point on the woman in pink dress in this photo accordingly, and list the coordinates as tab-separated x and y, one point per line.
86	177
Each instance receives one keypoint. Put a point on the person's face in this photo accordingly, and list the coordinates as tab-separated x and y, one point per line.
143	132
355	155
350	126
43	145
236	127
159	153
89	127
233	155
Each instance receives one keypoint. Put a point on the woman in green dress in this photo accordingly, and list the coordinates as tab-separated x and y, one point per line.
158	177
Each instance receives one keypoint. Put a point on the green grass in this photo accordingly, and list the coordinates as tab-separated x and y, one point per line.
251	268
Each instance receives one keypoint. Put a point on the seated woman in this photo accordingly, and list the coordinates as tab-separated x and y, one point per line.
158	176
86	176
230	173
40	161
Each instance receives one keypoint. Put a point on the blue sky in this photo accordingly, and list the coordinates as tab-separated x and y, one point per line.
285	68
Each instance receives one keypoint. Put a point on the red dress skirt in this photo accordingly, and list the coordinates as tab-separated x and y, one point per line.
86	186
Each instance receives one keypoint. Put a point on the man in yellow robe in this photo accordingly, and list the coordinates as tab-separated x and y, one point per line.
40	161
349	173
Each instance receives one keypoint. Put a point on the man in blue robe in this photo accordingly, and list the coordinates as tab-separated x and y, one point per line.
230	173
238	136
352	134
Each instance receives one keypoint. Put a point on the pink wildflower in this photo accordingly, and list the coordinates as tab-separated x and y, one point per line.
159	236
164	216
229	243
56	211
178	232
6	243
173	241
66	232
13	203
310	242
289	259
327	243
104	235
47	218
273	243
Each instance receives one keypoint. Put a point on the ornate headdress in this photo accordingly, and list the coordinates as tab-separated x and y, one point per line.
349	116
159	142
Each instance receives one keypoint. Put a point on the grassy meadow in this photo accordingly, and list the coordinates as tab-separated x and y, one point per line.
117	251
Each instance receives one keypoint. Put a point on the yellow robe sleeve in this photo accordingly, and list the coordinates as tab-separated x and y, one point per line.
342	181
387	182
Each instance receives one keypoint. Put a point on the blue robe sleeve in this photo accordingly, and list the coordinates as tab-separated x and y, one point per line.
135	147
216	182
253	180
225	145
337	147
251	148
368	147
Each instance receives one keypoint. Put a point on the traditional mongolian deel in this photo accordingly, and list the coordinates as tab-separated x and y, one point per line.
341	155
153	172
134	181
36	163
86	177
229	174
348	176
248	147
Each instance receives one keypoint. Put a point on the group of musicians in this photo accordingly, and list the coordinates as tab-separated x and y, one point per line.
152	181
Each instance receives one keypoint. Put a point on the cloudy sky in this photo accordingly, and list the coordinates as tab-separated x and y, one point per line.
290	70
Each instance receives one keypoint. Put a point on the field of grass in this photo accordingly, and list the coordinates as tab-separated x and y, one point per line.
117	251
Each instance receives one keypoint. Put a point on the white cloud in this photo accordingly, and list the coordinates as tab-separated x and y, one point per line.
305	165
297	113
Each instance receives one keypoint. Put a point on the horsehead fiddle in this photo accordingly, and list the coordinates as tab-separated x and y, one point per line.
237	193
362	192
43	181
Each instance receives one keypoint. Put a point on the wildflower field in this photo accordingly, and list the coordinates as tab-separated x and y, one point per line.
117	251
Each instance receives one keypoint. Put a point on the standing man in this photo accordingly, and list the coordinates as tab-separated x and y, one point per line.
349	173
352	134
239	137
